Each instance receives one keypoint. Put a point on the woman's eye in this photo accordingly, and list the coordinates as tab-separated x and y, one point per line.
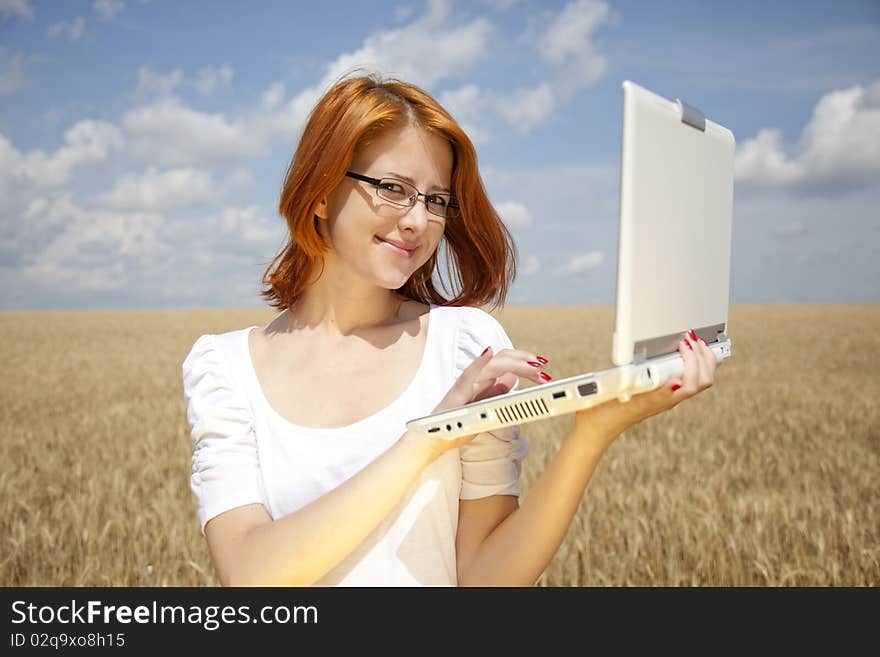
393	187
439	201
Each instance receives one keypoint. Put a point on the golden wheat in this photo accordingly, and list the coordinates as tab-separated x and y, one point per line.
768	478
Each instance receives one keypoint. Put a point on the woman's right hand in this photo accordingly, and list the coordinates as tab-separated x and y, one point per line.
489	375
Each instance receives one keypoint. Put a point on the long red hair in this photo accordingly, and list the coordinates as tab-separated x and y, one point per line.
480	251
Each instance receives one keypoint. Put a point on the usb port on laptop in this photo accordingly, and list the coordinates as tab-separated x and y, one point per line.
587	389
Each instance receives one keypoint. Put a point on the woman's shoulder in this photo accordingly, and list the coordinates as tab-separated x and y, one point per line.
470	315
213	353
476	329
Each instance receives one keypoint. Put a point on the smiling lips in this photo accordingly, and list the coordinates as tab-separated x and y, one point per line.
399	248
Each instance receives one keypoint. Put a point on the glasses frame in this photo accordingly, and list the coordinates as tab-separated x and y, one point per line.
375	182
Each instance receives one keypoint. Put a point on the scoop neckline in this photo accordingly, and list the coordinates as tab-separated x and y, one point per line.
429	332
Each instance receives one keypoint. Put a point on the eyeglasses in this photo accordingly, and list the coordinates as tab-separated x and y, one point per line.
402	193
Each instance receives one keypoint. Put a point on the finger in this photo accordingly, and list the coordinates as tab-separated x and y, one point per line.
484	388
703	380
527	356
673	384
711	361
492	390
690	375
471	373
517	365
706	358
523	363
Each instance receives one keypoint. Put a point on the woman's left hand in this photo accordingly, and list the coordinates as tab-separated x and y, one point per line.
610	419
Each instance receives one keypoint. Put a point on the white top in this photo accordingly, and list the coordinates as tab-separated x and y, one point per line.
245	452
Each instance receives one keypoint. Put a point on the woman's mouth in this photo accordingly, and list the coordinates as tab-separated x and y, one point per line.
395	249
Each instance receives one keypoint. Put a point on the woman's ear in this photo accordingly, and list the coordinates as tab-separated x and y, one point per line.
321	209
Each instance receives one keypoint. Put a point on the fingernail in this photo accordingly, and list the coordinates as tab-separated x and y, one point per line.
692	335
545	376
689	345
675	387
484	351
533	363
542	360
702	341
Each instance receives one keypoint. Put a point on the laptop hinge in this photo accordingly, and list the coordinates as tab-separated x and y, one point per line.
692	116
667	344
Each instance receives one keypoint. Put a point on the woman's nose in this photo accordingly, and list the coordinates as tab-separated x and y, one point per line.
417	215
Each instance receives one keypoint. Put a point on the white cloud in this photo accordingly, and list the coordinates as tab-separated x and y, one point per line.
240	179
838	150
159	191
526	108
152	84
567	43
425	51
792	229
514	215
211	80
16	8
107	9
61	252
248	225
36	206
73	29
170	133
582	263
88	142
761	161
530	266
564	41
273	96
11	70
467	106
83	250
428	50
402	13
463	103
501	5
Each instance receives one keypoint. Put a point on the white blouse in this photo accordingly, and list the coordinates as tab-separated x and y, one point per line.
245	452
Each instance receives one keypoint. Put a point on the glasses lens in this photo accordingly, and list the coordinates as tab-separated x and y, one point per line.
402	193
396	191
441	205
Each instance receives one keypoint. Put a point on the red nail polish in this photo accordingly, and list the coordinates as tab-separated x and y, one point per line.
542	360
702	341
693	336
484	351
689	345
545	376
533	363
675	387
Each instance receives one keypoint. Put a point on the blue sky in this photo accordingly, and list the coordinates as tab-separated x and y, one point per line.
143	142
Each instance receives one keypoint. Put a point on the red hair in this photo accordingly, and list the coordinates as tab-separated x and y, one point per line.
480	252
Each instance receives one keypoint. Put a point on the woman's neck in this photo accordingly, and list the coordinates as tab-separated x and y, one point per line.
338	312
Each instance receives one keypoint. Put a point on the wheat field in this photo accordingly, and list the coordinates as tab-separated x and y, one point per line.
769	478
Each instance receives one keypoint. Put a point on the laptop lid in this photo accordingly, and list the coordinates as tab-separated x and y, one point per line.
673	268
676	216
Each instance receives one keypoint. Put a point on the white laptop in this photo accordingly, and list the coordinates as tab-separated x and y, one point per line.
673	267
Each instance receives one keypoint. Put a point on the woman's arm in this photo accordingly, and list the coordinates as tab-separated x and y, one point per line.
520	547
518	550
248	548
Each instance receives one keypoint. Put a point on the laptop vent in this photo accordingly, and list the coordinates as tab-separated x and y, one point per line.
521	411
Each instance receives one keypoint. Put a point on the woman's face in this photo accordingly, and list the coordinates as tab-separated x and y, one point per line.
357	220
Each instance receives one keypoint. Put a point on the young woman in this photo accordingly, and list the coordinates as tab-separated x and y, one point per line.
302	469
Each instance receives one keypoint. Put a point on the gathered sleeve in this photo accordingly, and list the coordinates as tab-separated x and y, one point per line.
491	463
225	465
